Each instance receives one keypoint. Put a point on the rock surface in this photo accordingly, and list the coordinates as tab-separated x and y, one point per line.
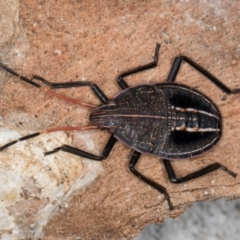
95	41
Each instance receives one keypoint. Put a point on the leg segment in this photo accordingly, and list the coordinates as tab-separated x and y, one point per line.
176	66
56	129
81	153
67	148
153	184
153	64
9	70
98	92
213	167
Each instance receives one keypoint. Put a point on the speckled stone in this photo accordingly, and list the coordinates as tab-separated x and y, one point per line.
95	41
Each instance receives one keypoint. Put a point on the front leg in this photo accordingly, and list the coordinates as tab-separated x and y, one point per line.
81	153
97	91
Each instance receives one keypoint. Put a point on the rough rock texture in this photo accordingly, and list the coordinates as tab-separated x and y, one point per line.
217	220
95	41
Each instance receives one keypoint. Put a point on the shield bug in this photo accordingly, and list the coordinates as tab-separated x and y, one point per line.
167	120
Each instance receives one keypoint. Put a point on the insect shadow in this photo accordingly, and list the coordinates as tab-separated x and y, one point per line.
168	120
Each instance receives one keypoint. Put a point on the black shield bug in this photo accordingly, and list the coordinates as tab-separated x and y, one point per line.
168	120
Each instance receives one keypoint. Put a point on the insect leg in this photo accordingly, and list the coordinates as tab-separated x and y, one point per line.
98	92
153	184
153	64
176	66
213	167
9	70
67	148
56	129
81	153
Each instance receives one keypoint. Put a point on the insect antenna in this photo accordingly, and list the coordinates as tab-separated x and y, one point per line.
48	130
63	97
